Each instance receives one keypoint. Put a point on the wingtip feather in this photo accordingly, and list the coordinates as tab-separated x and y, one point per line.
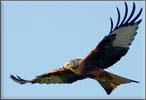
18	79
139	21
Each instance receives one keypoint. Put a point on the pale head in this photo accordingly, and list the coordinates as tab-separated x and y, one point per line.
72	64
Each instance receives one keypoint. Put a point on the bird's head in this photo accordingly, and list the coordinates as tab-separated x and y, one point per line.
72	64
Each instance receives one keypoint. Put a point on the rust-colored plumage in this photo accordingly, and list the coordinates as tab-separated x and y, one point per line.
105	54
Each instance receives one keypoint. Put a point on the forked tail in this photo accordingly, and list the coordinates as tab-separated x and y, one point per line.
110	81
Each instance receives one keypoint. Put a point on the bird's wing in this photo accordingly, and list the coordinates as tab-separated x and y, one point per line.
116	44
61	75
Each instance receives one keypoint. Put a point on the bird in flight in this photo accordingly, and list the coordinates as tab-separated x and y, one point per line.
105	54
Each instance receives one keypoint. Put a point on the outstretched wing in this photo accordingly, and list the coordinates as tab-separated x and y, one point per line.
116	44
61	75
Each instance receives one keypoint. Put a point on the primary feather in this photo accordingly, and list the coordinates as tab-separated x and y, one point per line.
116	44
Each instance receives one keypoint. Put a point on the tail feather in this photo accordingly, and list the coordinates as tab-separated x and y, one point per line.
110	81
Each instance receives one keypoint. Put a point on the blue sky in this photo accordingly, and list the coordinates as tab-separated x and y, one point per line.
41	36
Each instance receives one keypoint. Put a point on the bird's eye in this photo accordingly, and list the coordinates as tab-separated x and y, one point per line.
71	64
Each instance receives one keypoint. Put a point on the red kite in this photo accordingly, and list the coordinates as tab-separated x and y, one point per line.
105	54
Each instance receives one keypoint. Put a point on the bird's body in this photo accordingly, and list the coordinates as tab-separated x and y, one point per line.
105	54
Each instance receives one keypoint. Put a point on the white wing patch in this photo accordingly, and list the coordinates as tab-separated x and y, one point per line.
124	35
